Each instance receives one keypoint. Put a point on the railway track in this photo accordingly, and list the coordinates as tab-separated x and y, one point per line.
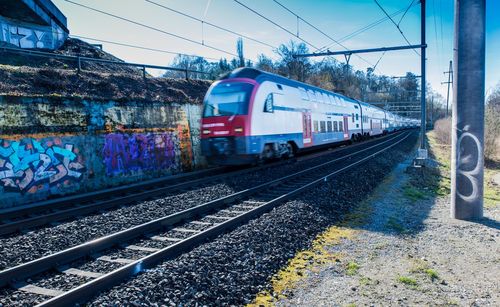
107	261
51	211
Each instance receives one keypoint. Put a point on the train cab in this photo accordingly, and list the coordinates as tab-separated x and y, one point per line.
225	122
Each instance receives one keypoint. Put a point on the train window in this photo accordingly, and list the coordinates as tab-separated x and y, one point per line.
335	127
303	94
228	99
341	127
322	126
329	126
353	117
279	86
269	104
316	127
357	117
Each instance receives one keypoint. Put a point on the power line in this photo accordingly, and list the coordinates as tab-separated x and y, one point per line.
274	23
407	9
365	28
140	47
150	27
210	24
319	30
397	26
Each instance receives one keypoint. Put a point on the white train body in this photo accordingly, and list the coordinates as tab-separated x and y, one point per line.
251	114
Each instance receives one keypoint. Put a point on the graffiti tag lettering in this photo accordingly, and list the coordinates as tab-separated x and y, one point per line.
466	166
26	164
139	152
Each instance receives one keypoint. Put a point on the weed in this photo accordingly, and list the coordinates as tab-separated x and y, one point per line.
365	281
407	281
352	268
413	194
432	274
394	224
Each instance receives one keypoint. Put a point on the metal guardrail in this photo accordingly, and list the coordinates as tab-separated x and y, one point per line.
79	60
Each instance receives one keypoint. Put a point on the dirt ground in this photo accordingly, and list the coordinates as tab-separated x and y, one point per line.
401	248
409	253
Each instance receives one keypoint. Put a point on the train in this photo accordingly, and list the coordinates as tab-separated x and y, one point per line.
250	116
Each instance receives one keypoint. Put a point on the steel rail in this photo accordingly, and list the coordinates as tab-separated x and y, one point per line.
31	268
17	219
85	291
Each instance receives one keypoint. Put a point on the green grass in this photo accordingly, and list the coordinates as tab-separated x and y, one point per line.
364	281
409	281
432	274
352	268
413	193
394	224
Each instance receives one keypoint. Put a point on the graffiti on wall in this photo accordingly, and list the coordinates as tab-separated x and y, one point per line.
126	153
29	165
25	37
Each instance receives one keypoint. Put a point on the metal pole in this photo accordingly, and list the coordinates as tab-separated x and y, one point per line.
467	136
450	71
423	153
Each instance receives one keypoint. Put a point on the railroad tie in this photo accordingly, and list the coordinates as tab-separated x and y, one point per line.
186	230
38	290
115	260
142	248
77	272
200	223
163	239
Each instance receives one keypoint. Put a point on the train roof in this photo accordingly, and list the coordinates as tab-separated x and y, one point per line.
260	76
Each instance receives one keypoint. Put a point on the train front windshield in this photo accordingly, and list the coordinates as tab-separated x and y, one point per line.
227	99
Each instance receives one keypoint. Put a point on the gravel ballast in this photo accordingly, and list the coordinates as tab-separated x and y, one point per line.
234	267
21	248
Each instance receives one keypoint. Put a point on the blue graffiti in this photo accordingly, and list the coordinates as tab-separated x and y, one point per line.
27	164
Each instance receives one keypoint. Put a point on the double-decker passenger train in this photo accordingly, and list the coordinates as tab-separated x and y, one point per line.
251	115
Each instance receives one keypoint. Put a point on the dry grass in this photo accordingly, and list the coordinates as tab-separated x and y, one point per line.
442	130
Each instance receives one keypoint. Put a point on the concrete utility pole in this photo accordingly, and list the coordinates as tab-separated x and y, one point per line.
450	81
467	157
422	151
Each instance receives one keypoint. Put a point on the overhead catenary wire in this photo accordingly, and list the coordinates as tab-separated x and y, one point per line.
139	47
151	28
406	11
274	23
397	26
364	29
203	22
319	30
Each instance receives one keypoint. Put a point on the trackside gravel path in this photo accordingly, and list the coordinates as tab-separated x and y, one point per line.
406	251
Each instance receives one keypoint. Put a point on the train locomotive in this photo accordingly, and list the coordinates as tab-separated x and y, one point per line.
250	115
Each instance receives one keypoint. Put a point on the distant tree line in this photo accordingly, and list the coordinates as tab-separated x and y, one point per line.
328	73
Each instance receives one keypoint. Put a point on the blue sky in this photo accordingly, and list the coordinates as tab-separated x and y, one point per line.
335	17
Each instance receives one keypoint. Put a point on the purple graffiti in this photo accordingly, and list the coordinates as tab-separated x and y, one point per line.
124	153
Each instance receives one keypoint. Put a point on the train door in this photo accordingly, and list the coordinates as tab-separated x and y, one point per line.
307	129
346	127
371	126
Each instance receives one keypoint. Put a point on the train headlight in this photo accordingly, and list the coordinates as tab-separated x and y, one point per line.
206	131
238	129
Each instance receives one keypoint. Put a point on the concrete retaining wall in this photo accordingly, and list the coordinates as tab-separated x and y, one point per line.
51	147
